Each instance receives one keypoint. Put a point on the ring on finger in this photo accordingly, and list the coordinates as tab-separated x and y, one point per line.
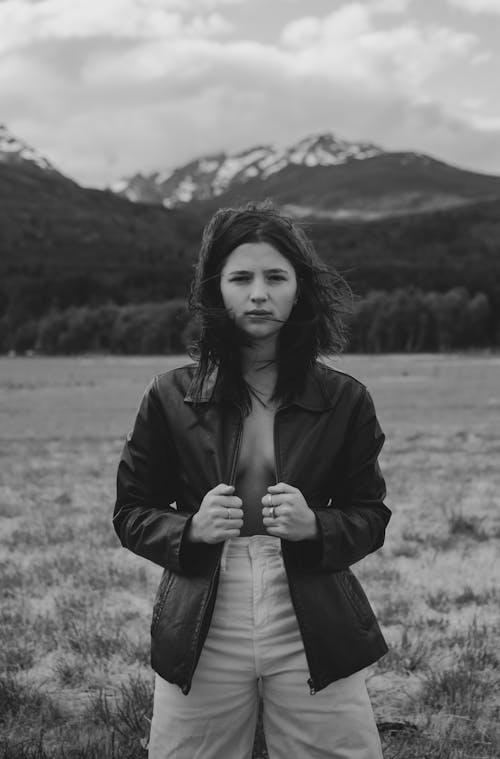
270	500
271	512
229	513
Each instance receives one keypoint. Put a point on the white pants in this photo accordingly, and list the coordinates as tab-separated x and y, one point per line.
254	646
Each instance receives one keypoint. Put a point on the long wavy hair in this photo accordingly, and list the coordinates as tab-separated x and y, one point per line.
316	323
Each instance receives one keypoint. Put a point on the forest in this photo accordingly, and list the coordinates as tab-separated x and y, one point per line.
83	270
404	320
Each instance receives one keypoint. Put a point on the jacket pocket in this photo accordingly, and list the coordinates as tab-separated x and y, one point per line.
356	597
161	597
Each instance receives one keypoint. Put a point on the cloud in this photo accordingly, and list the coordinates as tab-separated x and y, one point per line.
477	6
351	47
389	6
150	86
131	19
474	111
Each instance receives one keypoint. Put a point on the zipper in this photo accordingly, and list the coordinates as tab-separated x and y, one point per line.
276	444
232	473
186	687
234	461
310	681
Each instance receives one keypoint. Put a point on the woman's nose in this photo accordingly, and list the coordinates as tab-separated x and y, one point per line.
259	291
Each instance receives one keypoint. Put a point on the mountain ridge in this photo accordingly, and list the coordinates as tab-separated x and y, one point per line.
319	176
213	174
13	150
64	246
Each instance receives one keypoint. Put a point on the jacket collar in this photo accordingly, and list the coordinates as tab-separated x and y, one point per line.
313	397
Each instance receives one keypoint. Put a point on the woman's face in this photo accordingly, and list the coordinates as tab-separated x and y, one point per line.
259	287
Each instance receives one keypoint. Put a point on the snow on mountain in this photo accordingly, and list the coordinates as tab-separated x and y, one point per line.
322	176
326	150
210	176
13	150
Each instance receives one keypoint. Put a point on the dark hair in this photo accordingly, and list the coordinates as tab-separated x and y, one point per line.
315	326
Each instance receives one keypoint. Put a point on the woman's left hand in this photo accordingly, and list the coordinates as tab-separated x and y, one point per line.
287	515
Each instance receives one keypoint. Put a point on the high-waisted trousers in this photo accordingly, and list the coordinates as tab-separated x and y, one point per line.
254	648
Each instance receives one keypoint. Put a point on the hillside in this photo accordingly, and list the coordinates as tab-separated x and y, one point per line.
433	251
61	244
17	152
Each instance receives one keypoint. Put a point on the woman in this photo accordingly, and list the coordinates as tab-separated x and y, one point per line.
271	459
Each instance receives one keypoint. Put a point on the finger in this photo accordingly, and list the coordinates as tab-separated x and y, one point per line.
282	515
269	513
279	500
219	507
276	531
235	513
219	512
232	524
230	501
231	534
281	487
223	489
232	516
276	499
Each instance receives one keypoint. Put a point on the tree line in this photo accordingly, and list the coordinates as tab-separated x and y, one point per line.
67	254
401	320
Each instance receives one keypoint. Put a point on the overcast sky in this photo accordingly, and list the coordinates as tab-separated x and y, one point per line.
105	88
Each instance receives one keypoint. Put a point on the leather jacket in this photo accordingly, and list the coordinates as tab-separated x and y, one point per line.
326	444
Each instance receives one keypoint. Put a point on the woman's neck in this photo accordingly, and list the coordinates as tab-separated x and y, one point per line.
260	372
258	359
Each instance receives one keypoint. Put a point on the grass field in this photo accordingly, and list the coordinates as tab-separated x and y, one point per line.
75	607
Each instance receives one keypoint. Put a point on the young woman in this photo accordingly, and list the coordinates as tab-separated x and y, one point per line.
271	459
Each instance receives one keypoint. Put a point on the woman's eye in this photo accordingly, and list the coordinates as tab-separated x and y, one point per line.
240	278
277	278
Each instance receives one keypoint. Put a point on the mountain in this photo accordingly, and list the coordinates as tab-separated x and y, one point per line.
14	151
320	176
62	245
213	175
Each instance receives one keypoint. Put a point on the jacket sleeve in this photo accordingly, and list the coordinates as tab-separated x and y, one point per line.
144	519
354	524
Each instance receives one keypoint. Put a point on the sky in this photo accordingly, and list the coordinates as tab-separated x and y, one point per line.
108	88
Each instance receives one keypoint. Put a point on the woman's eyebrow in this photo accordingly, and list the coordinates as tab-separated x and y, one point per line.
250	271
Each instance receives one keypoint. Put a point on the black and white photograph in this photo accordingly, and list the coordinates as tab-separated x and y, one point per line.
249	379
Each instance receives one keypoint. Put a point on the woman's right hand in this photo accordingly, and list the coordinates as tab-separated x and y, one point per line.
219	517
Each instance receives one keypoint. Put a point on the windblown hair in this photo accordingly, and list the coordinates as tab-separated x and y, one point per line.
316	323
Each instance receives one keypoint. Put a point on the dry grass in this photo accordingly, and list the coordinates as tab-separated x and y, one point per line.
74	615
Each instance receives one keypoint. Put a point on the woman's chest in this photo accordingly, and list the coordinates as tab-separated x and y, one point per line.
257	441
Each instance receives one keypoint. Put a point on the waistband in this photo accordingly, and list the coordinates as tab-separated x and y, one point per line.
253	545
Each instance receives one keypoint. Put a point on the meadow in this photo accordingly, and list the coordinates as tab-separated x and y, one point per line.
75	681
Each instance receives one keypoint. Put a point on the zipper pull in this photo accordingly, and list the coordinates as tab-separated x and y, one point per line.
312	689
